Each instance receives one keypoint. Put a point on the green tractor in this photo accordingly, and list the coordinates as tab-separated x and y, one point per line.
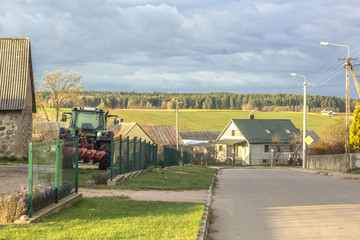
94	141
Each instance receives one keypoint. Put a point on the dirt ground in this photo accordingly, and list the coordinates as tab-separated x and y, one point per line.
12	176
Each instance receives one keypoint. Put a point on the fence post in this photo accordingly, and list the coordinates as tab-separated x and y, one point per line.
30	178
127	154
156	151
164	156
153	153
111	156
140	165
134	155
120	154
76	164
57	170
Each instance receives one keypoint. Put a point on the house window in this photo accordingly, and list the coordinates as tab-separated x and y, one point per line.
233	133
220	148
291	148
266	148
278	148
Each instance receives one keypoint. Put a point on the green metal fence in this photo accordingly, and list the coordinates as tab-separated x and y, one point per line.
172	157
186	158
131	155
53	172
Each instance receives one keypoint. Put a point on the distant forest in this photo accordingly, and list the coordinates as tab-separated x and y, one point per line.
216	100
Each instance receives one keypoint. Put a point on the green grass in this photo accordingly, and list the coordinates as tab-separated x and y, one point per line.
177	178
12	160
197	120
114	218
354	171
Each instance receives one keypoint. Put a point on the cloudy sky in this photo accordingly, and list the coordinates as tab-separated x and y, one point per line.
190	46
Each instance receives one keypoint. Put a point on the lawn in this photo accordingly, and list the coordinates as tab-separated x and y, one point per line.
197	120
114	218
176	178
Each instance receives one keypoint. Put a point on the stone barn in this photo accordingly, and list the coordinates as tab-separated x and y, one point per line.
17	96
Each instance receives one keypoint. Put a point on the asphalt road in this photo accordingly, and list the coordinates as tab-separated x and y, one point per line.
283	204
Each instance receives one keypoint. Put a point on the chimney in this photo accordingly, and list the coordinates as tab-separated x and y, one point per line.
251	115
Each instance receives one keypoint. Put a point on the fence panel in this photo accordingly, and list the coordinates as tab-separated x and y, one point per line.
53	172
67	168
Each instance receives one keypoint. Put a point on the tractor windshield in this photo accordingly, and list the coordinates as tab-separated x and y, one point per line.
88	120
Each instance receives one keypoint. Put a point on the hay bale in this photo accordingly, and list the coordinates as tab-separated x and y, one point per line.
46	131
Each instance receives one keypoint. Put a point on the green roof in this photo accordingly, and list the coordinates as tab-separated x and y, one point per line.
264	130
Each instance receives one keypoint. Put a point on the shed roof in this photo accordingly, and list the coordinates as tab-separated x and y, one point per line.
163	135
265	130
122	128
15	72
200	135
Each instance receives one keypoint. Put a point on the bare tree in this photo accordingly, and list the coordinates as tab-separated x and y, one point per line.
63	87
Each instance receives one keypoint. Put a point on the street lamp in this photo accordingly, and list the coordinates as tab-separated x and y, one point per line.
304	117
347	100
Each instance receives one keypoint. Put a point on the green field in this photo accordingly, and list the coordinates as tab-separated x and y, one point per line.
196	120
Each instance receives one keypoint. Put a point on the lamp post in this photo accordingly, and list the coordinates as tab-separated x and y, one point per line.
304	117
347	99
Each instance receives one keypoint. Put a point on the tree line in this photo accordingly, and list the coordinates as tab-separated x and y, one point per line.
216	100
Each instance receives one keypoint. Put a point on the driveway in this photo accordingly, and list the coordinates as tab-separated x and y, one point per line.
282	204
12	176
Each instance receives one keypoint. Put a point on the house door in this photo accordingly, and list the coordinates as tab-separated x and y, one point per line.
229	151
240	152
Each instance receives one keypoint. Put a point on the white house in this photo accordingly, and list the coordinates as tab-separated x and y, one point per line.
255	141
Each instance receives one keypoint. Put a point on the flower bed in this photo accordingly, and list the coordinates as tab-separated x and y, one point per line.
15	204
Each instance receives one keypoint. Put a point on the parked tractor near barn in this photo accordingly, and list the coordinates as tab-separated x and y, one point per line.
94	140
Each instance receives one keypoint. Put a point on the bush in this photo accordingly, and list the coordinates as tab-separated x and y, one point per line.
101	178
150	168
13	205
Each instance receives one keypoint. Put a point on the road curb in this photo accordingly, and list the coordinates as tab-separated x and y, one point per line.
203	232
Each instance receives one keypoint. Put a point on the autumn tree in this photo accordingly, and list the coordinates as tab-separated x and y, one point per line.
355	130
62	87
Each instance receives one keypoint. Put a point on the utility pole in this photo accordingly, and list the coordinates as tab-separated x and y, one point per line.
177	124
348	66
305	84
347	101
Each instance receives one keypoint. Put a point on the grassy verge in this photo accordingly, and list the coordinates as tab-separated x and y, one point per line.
114	218
354	171
12	160
177	178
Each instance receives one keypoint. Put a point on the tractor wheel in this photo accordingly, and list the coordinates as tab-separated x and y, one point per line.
104	162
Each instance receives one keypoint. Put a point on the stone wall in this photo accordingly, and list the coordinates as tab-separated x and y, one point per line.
335	162
10	133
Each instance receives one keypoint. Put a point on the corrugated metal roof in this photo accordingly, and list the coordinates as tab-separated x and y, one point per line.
200	135
163	135
265	130
15	72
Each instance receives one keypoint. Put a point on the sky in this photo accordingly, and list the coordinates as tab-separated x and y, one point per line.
191	46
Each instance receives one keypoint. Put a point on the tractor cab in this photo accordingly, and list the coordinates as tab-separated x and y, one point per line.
89	124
